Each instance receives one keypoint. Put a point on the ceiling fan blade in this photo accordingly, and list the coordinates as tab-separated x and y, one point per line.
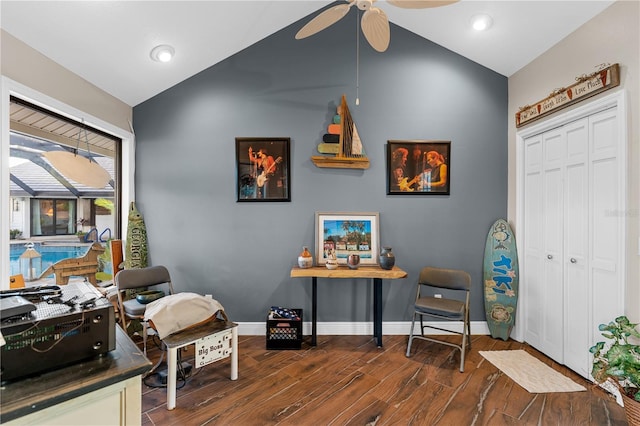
375	26
324	20
420	4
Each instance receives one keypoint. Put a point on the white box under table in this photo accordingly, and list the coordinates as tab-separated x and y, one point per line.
215	340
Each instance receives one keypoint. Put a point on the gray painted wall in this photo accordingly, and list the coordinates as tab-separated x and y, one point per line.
242	252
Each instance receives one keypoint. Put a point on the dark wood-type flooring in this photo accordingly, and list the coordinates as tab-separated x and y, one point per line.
348	380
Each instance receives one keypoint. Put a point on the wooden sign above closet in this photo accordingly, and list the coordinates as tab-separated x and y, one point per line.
587	86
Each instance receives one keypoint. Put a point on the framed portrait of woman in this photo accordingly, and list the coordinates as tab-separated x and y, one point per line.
418	167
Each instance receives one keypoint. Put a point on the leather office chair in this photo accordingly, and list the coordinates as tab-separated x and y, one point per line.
139	279
443	308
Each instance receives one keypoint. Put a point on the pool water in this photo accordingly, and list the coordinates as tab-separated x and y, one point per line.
50	255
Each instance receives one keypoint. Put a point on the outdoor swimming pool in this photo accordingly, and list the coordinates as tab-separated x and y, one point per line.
50	255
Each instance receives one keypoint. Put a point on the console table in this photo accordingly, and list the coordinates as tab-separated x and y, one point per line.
375	272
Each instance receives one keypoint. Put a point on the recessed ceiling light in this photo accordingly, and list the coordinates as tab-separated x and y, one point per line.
481	22
162	53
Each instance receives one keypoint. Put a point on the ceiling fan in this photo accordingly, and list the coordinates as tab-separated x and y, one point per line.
375	24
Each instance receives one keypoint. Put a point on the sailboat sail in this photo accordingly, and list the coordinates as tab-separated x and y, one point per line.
350	143
356	143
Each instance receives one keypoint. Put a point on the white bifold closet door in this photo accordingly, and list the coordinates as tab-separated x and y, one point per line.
572	277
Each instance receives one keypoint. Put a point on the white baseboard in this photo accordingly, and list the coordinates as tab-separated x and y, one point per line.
363	328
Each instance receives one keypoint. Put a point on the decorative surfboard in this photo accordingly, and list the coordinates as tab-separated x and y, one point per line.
136	246
500	278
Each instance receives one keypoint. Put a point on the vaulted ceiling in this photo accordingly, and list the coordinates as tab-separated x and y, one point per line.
108	42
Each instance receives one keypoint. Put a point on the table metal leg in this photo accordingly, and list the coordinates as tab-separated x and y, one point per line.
314	310
172	359
377	310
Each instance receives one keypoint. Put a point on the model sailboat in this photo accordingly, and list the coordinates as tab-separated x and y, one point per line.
349	151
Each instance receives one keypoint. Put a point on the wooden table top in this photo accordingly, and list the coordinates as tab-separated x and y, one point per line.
191	334
345	272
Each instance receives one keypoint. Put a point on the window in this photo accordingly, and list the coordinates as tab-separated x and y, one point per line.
53	217
123	172
58	204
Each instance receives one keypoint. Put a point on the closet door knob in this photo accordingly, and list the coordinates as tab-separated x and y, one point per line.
573	260
549	257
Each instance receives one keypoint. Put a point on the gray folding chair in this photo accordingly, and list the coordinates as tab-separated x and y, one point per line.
150	278
453	281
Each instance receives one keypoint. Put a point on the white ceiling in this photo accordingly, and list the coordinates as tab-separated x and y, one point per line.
108	42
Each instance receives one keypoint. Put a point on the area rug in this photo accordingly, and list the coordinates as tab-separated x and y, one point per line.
530	373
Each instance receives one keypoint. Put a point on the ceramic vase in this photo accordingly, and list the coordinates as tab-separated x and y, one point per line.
305	260
332	263
353	261
387	258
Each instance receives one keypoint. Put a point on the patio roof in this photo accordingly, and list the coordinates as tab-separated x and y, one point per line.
36	177
35	131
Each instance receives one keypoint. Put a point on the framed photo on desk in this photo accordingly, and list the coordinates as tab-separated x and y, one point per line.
347	233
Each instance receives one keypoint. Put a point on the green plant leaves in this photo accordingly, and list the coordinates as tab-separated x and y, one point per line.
620	360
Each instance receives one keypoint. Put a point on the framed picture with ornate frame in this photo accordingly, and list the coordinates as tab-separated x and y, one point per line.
418	167
345	234
263	169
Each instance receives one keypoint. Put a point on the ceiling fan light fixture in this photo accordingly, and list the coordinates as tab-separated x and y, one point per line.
365	4
162	53
481	22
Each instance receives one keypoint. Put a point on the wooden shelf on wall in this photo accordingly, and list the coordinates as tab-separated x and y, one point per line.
340	162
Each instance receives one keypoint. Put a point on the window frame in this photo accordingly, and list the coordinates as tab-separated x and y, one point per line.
126	169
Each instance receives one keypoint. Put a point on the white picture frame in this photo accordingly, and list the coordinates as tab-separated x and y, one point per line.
348	233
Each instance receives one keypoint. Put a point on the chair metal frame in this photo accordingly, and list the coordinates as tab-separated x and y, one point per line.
442	308
130	279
